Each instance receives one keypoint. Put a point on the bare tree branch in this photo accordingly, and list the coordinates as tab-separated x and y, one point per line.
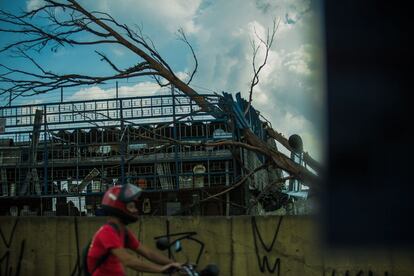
281	139
216	196
234	186
267	45
67	23
101	28
266	190
183	38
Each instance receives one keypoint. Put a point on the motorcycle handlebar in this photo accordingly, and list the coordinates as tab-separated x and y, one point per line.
187	269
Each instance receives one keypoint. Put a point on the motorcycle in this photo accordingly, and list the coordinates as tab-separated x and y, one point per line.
187	268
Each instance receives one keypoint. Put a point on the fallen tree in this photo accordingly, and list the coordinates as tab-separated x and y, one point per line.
70	24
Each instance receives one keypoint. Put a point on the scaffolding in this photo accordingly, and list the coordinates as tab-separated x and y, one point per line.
84	147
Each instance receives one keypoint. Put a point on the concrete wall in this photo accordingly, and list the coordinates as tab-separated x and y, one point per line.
245	245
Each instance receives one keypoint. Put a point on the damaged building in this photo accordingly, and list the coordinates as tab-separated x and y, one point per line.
59	158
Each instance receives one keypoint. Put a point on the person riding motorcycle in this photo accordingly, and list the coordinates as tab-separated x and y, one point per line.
114	242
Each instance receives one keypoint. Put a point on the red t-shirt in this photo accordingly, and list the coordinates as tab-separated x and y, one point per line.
107	238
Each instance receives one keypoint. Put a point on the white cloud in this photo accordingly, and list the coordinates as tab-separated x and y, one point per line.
165	15
298	61
294	123
33	4
32	102
91	93
95	92
118	52
260	97
142	88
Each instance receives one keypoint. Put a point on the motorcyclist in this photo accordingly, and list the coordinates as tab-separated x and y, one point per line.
117	242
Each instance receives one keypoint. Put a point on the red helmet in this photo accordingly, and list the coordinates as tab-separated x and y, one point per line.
116	198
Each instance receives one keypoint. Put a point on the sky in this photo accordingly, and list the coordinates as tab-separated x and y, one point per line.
290	93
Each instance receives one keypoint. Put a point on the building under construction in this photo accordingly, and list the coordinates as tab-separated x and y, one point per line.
59	158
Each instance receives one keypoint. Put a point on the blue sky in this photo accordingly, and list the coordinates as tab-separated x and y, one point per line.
291	90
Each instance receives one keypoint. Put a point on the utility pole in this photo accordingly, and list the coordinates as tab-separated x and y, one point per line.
31	175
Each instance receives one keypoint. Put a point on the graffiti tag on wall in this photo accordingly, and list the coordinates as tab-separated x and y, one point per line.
6	268
265	264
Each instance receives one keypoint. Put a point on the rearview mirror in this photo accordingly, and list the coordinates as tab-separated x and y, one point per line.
162	243
177	246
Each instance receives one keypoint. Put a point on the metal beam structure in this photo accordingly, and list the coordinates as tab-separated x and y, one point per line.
156	142
95	143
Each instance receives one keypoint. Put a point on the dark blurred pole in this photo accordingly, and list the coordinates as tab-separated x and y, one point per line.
122	139
368	195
